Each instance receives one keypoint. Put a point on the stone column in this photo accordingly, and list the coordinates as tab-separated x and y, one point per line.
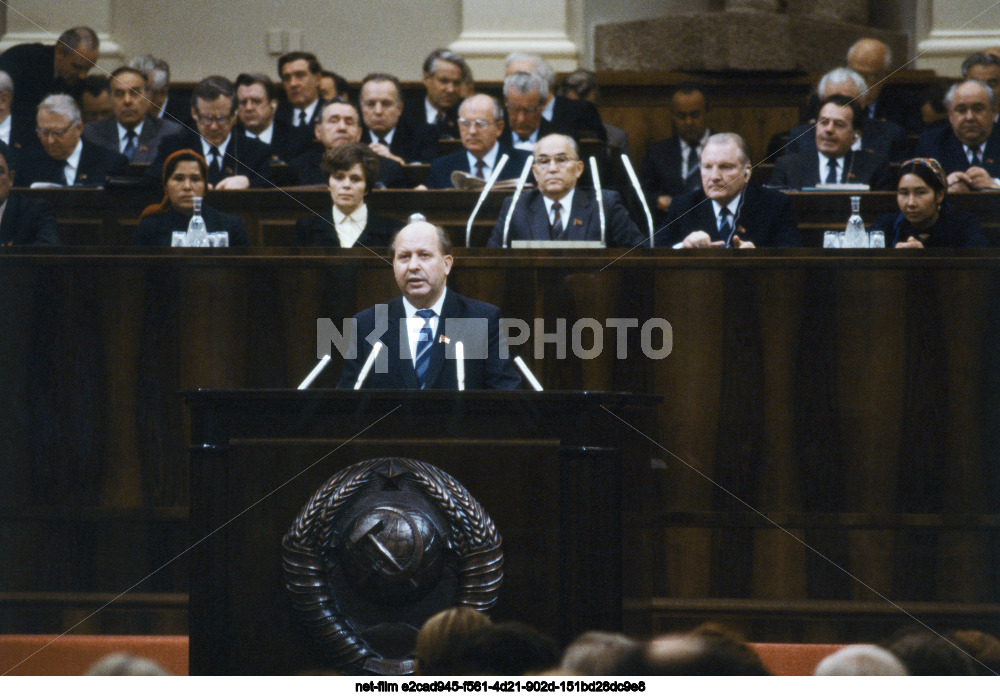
955	29
42	21
491	29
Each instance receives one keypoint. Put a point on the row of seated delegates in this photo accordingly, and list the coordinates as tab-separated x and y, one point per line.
185	177
23	220
925	218
832	160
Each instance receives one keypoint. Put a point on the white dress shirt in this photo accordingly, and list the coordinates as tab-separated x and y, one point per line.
490	159
349	227
73	164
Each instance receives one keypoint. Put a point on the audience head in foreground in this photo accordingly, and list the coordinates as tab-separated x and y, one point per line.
442	637
861	661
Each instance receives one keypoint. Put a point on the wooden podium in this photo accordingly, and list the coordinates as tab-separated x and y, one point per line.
562	474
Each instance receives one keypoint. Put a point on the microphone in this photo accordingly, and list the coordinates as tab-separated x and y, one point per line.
642	198
600	198
535	384
366	368
315	372
494	175
460	364
517	194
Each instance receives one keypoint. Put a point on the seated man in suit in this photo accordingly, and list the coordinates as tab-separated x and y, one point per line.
386	133
897	103
131	130
425	322
880	137
524	96
172	105
728	211
560	211
670	166
9	134
339	123
257	102
300	76
66	159
834	162
95	99
968	146
573	117
234	161
23	220
984	67
444	75
481	123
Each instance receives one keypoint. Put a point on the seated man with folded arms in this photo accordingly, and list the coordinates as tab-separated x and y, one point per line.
66	159
23	220
968	146
558	211
833	161
728	210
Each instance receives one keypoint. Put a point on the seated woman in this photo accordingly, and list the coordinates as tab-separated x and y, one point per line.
353	169
184	177
925	219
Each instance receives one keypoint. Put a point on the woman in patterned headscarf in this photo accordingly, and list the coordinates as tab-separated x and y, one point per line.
925	219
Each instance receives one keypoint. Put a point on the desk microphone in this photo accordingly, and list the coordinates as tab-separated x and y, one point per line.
517	194
535	384
315	372
642	198
494	175
600	198
376	349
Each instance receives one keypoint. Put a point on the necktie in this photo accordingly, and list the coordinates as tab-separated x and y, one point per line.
977	160
215	166
381	141
130	143
690	162
480	171
557	225
439	119
725	226
424	342
302	119
831	177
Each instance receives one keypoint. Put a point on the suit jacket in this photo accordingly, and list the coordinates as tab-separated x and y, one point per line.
178	109
105	134
954	228
489	373
279	140
32	69
941	144
157	230
306	170
879	137
96	165
577	118
414	114
583	223
506	138
414	142
660	171
295	139
319	231
28	221
243	156
801	170
765	217
442	167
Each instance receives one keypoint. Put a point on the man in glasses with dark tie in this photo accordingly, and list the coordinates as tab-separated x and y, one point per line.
234	160
420	329
968	146
130	130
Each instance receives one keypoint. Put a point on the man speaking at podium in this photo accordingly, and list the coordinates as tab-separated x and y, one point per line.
417	328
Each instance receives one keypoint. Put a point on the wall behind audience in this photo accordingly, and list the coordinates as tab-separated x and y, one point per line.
351	37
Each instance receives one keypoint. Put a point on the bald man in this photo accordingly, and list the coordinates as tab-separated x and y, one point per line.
872	59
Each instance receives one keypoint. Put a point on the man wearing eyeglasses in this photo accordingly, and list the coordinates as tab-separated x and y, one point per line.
558	211
65	159
234	160
480	123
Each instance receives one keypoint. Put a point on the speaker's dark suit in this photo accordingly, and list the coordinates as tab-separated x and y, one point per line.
801	170
583	223
488	373
442	167
879	137
28	221
415	114
319	231
105	134
941	144
414	142
243	157
307	170
765	217
96	165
